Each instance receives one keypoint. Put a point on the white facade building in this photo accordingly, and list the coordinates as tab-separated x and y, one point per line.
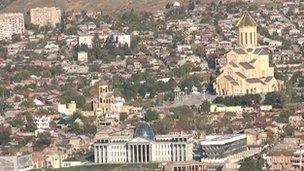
82	56
47	16
10	24
143	147
67	109
16	163
227	148
42	122
88	39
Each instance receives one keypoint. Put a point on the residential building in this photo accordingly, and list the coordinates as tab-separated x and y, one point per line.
47	16
225	148
286	155
255	137
143	147
87	39
17	162
51	157
82	56
10	24
247	69
185	166
67	109
42	122
297	159
75	69
222	108
280	160
79	142
68	163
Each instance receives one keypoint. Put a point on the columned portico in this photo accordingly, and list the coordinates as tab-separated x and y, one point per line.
138	153
95	154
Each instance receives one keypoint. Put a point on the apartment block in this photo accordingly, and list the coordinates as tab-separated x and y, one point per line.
47	16
11	23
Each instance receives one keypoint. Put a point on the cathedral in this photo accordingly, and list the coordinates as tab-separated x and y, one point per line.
247	69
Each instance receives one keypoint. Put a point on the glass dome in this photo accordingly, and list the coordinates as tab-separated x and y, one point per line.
144	130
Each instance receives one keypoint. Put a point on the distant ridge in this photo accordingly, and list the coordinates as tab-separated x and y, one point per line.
107	6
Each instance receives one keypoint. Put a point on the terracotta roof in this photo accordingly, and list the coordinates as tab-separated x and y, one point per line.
281	153
246	20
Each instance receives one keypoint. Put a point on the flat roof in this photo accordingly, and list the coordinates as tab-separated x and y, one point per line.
222	139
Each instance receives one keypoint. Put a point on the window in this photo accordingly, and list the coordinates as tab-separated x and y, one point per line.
251	38
246	38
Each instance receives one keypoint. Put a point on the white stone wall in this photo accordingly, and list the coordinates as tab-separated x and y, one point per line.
161	151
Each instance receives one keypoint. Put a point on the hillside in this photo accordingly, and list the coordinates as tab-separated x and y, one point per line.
107	6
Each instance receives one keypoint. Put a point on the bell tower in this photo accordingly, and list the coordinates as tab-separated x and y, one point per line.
247	31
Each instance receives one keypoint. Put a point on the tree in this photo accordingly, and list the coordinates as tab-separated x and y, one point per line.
30	123
283	117
163	126
200	51
96	47
205	106
4	92
17	122
183	70
134	43
151	115
16	38
46	74
4	136
288	131
191	5
275	99
86	128
250	164
72	95
176	13
177	38
27	23
3	50
253	7
89	128
246	100
290	12
270	138
122	117
43	139
56	70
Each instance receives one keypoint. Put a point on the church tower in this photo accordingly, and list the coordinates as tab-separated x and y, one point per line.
247	31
